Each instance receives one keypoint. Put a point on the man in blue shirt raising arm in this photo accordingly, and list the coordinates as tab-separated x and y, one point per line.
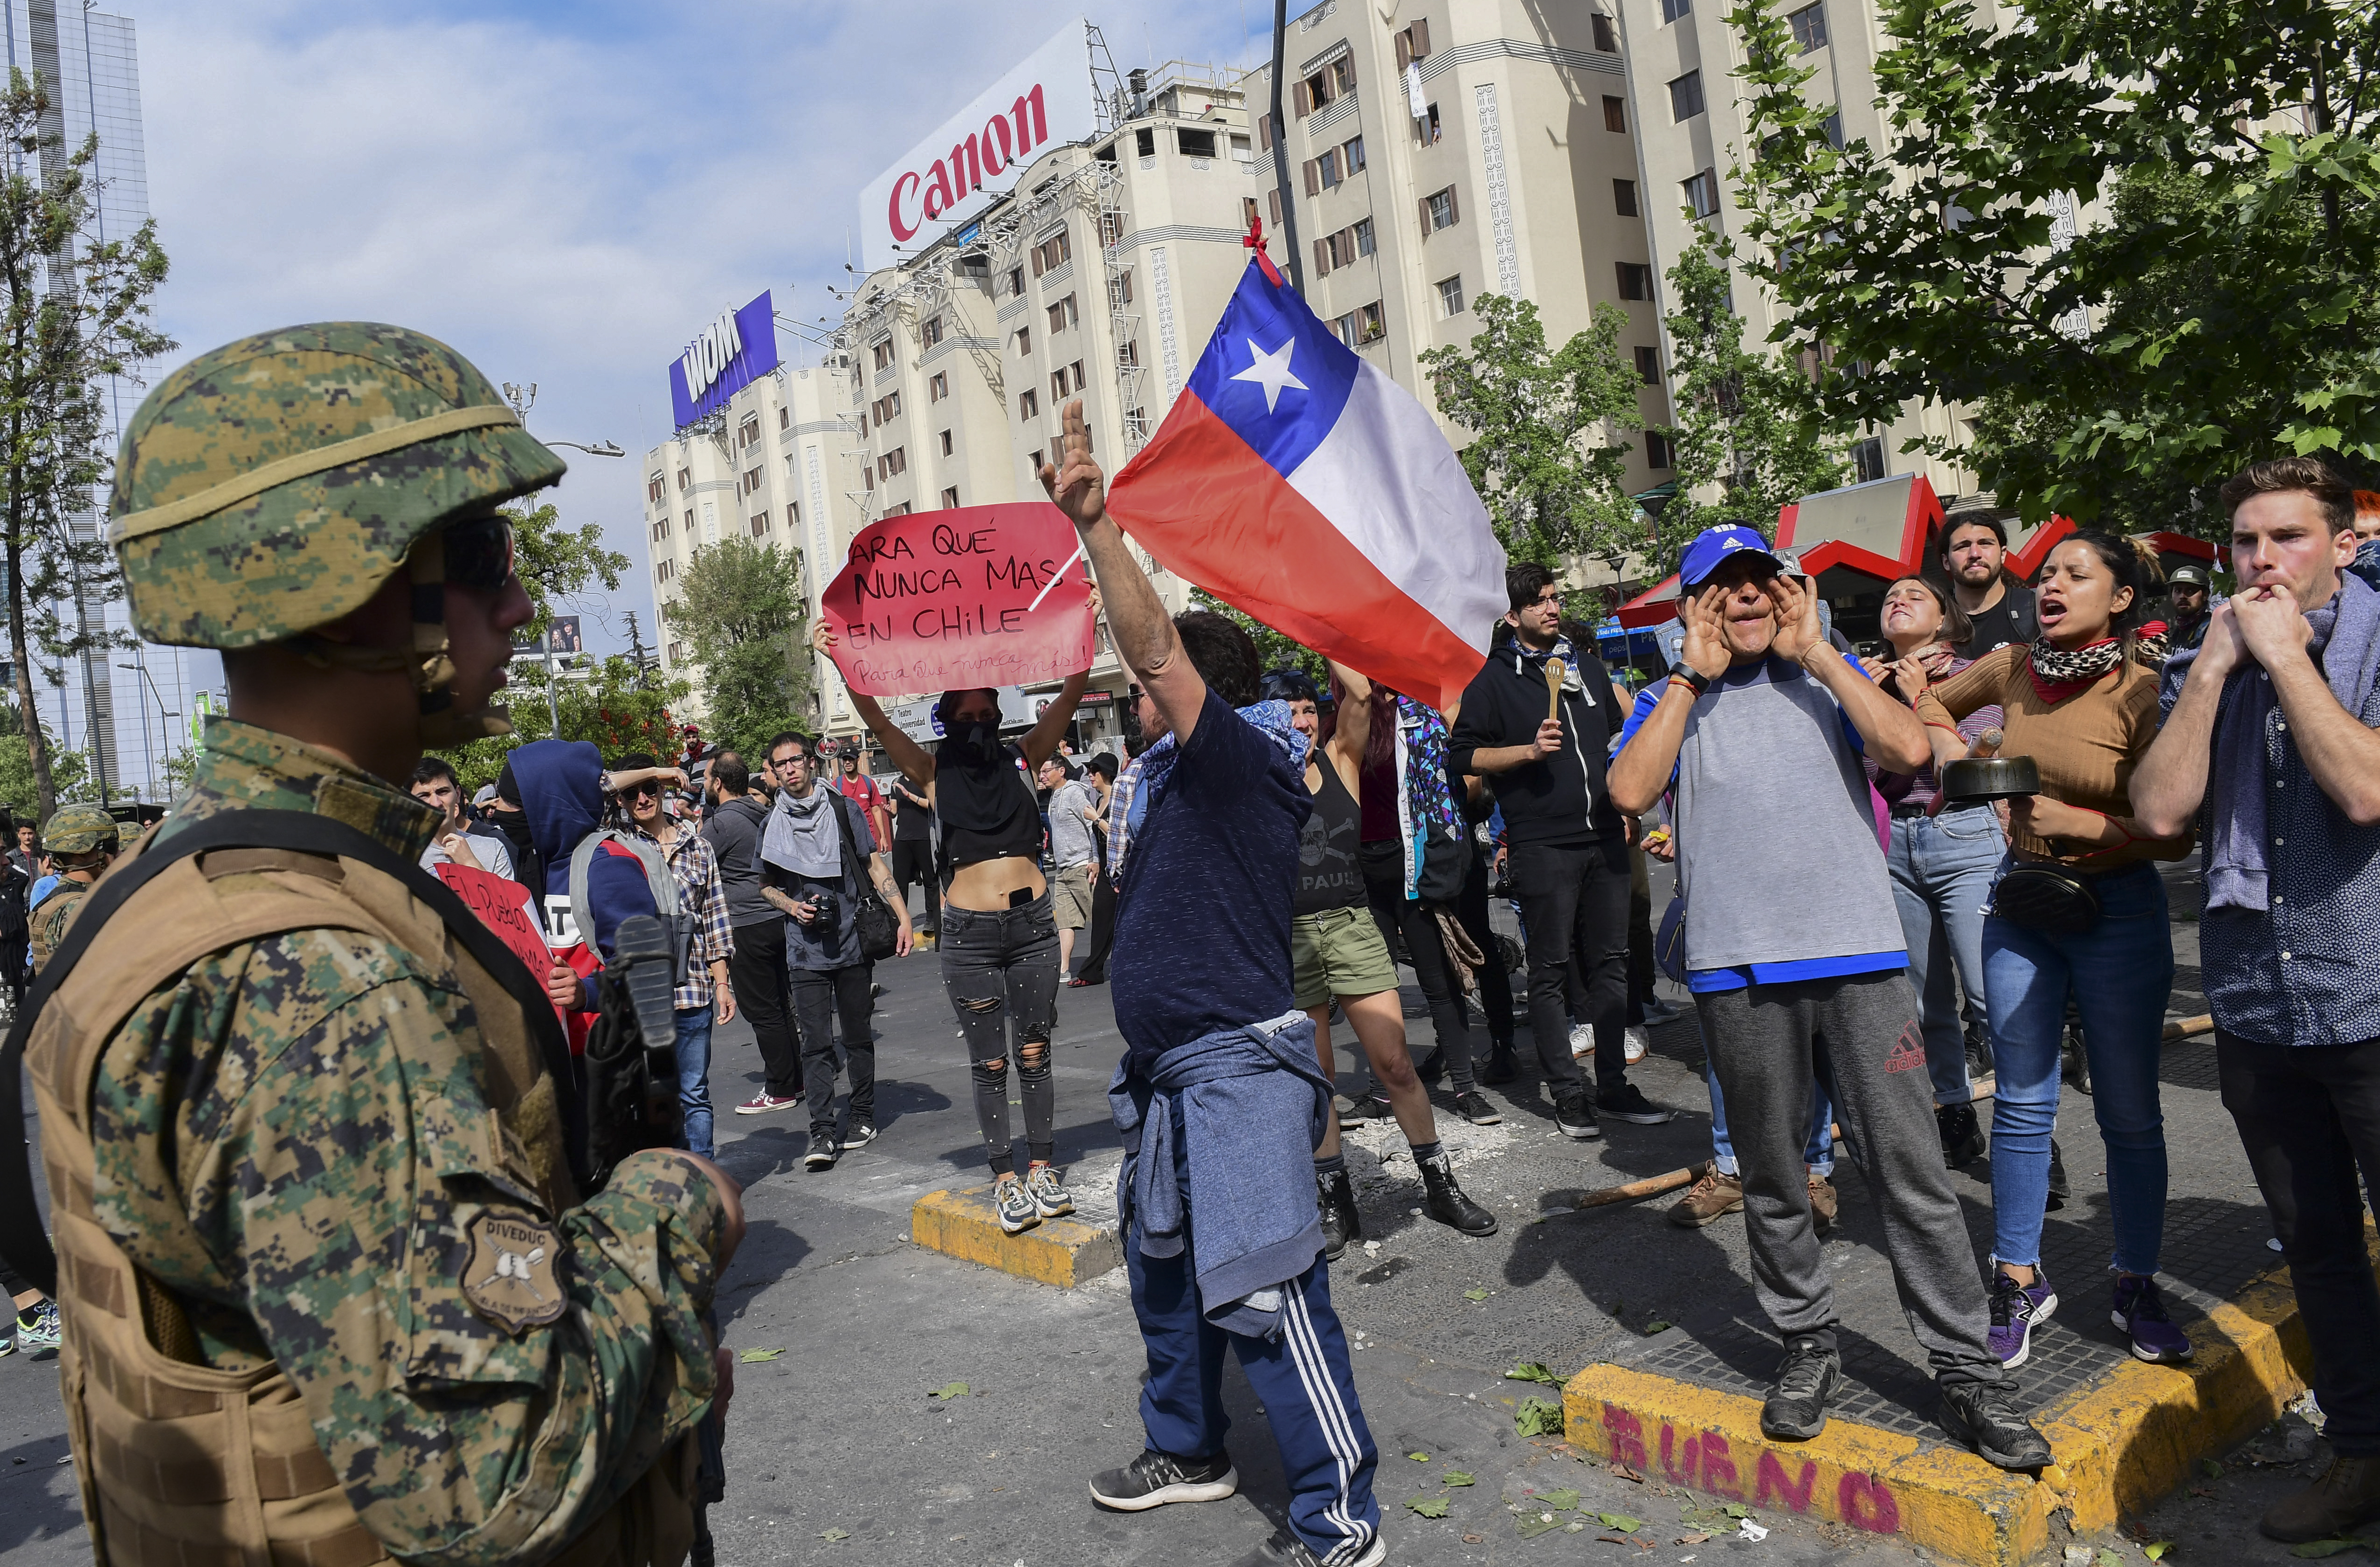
1218	1098
1795	959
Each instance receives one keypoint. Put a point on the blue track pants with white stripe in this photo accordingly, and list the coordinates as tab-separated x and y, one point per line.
1302	1378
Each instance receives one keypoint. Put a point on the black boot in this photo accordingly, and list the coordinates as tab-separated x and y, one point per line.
2059	1190
1444	1200
1335	1196
1963	1139
1502	1067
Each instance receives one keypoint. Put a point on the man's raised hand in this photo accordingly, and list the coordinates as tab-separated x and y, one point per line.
1798	630
1705	650
2269	624
1079	488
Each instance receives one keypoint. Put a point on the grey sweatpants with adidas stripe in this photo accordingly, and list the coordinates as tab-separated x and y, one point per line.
1861	1032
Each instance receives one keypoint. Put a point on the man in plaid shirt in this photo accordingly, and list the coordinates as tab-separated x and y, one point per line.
705	998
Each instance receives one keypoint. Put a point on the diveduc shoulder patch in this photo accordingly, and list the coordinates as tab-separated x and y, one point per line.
509	1270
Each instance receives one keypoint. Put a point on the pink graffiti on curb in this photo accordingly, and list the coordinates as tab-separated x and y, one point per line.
1706	1460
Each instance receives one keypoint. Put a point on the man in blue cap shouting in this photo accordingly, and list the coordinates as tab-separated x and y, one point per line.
1794	956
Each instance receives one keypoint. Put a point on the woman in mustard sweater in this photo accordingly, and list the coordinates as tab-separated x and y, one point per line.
2078	909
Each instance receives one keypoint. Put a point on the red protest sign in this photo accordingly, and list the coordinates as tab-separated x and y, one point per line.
502	907
938	601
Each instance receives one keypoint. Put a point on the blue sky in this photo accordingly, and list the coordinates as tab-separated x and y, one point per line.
564	192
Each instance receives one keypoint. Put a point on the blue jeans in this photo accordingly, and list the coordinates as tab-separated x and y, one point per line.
2120	973
1820	1153
1942	868
694	1076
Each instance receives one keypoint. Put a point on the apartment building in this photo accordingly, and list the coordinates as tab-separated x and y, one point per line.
1688	110
1100	276
777	464
1458	148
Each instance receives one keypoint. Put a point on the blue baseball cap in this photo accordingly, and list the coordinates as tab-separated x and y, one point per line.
1712	547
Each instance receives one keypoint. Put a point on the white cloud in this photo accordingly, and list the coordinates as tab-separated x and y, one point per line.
564	193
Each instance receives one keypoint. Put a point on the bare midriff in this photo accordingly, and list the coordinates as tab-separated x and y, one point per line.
984	887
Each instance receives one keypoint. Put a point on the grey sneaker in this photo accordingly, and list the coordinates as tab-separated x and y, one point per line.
38	1329
1051	1199
1017	1210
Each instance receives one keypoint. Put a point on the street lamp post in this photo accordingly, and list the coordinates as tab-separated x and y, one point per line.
521	399
163	714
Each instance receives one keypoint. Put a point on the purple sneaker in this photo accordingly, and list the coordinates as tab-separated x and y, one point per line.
2017	1309
2140	1312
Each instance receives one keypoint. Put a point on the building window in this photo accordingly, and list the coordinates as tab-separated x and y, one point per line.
1328	166
664	571
1607	37
677	652
1274	197
883	353
951	499
1120	289
946	443
1438	211
1190	143
1648	366
1834	130
1623	197
1635	281
1658	452
1062	315
659	530
1672	9
784	419
1425	127
1358	327
689	525
759	524
749	434
1615	114
931	332
893	463
1024	340
1413	45
1686	96
1129	355
1247	214
1867	460
1029	404
1057	387
1052	253
1701	193
1365	243
752	479
1144	141
792	518
685	479
1241	151
1450	295
1332	81
900	510
1352	153
1809	25
656	489
1016	280
1111	229
939	387
866	476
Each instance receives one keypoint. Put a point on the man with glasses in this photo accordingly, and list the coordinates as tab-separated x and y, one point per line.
739	815
311	1026
1540	739
706	996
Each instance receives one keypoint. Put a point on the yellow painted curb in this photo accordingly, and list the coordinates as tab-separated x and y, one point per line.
2121	1442
1064	1252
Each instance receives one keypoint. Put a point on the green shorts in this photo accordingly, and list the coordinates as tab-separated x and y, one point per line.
1338	952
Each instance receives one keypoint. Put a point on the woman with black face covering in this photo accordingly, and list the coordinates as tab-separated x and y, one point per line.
999	938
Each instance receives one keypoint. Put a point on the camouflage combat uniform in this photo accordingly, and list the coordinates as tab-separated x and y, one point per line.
330	1292
50	916
77	829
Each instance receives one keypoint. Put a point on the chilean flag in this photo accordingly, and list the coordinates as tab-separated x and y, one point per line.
1303	487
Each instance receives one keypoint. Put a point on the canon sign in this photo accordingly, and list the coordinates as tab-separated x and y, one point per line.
723	359
955	172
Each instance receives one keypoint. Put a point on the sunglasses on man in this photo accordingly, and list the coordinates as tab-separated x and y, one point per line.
481	552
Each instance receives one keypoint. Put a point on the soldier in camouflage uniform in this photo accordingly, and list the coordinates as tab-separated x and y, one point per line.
81	841
331	1293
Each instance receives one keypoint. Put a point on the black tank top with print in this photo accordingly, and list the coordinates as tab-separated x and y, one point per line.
1329	876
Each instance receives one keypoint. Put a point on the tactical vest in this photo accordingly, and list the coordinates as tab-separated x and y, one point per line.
182	1465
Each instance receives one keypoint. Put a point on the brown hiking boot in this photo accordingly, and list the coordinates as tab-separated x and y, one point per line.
1709	1200
2347	1494
1822	1205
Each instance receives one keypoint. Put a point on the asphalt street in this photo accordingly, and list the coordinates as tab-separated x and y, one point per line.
840	1452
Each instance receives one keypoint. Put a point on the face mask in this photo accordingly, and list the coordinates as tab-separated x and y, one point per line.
981	739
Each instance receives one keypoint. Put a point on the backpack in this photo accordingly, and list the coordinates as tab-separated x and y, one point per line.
677	925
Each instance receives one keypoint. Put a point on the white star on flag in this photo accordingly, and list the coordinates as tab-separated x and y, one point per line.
1270	371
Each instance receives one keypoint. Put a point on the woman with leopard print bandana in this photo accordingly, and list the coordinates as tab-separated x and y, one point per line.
2081	701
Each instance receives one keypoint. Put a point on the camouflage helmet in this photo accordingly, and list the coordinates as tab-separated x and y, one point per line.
79	829
274	484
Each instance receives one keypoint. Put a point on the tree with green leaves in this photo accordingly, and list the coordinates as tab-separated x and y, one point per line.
558	563
605	701
74	313
742	613
2131	243
1750	438
1544	454
18	790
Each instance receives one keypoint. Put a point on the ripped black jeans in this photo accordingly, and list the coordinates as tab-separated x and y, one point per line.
1000	968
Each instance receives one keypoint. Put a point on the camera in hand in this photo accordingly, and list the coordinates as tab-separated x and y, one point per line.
823	908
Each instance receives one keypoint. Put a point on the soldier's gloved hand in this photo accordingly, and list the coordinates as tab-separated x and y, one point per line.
731	1196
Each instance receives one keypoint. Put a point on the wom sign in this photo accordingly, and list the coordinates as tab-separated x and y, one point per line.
958	169
723	359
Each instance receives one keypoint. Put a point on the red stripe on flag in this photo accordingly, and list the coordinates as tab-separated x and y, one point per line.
1198	499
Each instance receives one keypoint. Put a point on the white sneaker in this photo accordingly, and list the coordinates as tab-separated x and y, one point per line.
1581	1039
1051	1199
1014	1205
1635	1045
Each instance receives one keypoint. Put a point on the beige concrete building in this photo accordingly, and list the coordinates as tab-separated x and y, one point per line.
1687	108
1456	147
